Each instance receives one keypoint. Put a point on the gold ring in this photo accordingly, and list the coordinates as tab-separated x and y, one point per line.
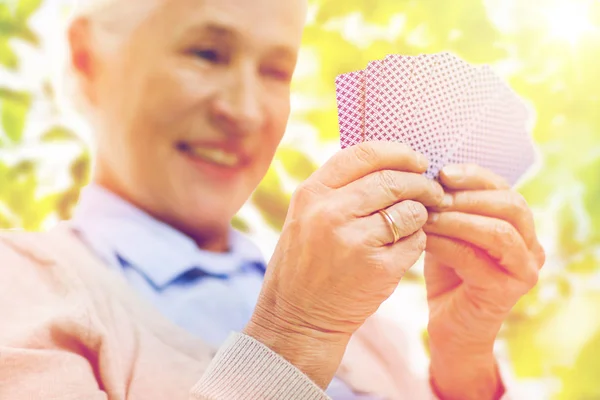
390	221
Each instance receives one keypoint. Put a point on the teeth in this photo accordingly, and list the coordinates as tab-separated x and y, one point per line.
216	156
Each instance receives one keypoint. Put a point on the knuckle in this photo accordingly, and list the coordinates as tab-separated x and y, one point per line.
415	243
519	202
504	233
304	194
311	214
321	214
366	153
420	241
540	255
465	252
415	215
436	190
532	276
389	184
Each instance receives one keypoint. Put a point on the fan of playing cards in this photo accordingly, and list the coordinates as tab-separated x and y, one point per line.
441	106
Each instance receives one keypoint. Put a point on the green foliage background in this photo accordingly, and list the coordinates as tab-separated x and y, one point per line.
553	335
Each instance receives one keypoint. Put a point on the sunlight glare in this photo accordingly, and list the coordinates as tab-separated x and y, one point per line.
569	20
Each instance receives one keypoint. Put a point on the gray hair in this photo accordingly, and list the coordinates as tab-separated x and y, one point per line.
110	22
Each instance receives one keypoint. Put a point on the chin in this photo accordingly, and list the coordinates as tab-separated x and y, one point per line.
212	211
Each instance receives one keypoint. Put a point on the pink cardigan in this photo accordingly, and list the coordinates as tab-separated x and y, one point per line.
72	329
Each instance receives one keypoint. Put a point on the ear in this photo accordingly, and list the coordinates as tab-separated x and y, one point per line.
82	56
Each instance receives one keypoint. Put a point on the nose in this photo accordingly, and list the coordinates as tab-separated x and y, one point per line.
238	105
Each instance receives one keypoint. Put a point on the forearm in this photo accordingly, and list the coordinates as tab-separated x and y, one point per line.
460	375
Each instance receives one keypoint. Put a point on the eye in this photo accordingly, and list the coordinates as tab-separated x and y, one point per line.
211	55
279	74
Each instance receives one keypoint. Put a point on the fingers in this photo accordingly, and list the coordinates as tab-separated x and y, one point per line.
507	205
404	253
468	260
498	238
382	189
471	177
365	158
409	216
474	266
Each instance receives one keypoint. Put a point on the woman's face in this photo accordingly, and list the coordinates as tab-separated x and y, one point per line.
192	108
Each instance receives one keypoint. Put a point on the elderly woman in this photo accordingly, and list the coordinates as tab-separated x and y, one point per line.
132	298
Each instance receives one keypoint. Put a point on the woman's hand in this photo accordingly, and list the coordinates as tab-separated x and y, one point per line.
482	256
336	260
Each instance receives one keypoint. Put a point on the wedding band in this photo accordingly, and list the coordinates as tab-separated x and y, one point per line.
390	221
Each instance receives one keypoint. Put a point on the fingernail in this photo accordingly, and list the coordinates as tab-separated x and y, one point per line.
454	172
447	201
433	217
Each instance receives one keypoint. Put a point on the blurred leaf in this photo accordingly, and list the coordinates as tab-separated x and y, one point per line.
581	381
271	200
48	90
537	191
59	134
38	211
585	264
238	223
13	95
25	8
297	164
28	35
327	121
14	117
13	23
332	9
540	346
80	169
23	169
8	58
568	231
66	202
591	196
425	340
23	183
5	222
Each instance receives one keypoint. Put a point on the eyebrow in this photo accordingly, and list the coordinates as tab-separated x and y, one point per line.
216	30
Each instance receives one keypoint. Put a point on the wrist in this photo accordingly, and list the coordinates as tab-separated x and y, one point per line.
458	373
317	354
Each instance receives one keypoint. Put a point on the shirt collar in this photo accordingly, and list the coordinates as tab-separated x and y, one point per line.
158	250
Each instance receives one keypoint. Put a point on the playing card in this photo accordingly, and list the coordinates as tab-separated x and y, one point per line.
440	106
443	122
350	102
414	123
394	81
499	139
373	129
484	87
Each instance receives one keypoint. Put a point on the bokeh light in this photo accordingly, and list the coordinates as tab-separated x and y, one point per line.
569	20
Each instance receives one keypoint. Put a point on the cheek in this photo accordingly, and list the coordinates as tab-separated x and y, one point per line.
172	94
278	112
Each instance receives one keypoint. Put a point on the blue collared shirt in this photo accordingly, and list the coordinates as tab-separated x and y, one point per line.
209	294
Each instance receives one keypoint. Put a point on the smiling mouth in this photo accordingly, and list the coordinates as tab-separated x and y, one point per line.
215	156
